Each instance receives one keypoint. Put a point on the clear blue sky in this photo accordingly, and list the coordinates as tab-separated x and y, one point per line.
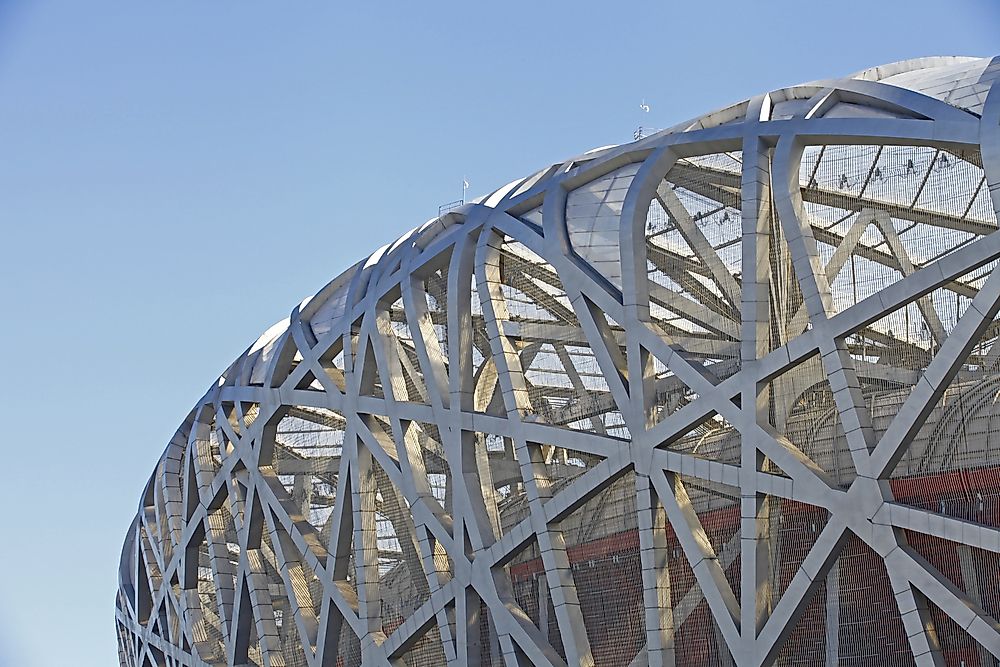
175	176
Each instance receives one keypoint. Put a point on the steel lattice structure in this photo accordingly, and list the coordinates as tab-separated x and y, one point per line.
725	395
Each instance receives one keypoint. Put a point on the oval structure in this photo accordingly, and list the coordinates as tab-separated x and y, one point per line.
721	396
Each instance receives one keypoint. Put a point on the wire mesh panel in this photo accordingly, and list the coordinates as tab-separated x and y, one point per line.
870	628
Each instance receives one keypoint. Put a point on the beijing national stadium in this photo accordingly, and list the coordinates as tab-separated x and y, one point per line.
727	395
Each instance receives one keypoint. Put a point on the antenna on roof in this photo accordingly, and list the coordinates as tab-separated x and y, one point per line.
451	206
640	131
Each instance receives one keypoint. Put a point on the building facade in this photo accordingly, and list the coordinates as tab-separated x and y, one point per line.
721	396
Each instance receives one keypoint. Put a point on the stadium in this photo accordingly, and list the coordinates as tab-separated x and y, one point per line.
723	396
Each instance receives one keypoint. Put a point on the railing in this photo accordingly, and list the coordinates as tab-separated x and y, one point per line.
450	206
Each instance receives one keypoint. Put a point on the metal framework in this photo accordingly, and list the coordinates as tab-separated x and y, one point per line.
726	395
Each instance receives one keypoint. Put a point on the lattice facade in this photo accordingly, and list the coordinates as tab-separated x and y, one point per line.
722	396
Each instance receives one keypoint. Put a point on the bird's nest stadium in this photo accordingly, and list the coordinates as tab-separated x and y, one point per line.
723	396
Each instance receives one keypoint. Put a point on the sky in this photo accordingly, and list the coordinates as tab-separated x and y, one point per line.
176	176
